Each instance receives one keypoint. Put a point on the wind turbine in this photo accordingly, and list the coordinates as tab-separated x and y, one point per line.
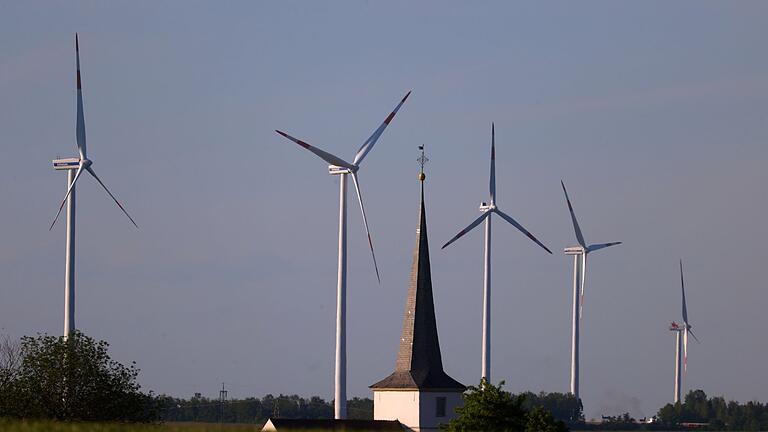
579	274
487	210
343	168
681	339
74	168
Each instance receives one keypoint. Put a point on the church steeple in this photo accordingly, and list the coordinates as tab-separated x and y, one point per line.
419	363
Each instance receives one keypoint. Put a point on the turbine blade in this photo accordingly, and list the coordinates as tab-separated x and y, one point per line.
469	227
331	159
80	127
579	236
492	185
90	170
365	222
369	143
682	288
598	246
694	336
69	191
520	227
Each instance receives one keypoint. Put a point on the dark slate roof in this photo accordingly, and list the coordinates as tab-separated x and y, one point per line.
282	424
419	364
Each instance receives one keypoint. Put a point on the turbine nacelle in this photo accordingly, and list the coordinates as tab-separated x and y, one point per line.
339	170
575	250
66	164
484	207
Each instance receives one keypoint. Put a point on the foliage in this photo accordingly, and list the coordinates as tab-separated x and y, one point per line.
489	408
10	364
563	406
541	420
73	379
721	415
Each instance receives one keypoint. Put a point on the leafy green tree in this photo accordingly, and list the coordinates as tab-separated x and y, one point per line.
75	379
541	420
489	408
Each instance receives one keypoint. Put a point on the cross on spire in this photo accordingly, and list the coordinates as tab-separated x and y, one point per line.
422	161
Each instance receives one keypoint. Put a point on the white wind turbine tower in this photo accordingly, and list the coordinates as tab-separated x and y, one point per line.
579	253
681	340
488	210
343	168
74	168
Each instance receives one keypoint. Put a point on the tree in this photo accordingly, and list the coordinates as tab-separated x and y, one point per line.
489	408
720	415
360	408
10	364
75	379
563	406
541	420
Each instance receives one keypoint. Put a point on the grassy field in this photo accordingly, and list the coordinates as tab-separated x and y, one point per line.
37	426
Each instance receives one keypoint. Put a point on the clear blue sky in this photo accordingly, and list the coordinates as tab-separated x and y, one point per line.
654	113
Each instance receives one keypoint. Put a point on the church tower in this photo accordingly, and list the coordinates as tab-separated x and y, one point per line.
418	393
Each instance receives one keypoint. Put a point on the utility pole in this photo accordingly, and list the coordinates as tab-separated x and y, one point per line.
222	400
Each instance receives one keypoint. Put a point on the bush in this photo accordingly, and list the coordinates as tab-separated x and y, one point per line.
73	379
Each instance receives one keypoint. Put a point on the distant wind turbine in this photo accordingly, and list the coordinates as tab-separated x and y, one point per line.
488	210
343	168
681	340
75	167
579	253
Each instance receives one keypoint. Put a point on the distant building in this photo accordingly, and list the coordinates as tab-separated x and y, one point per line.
418	393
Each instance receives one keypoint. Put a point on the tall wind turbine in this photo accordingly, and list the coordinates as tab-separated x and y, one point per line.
681	340
74	168
579	253
343	168
487	210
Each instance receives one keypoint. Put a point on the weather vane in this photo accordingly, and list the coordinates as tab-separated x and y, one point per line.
422	161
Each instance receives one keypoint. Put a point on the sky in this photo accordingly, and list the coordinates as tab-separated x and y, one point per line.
655	114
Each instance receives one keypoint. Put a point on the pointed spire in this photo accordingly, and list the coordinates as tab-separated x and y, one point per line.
419	362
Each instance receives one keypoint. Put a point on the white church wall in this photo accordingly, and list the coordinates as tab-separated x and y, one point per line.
428	409
416	410
397	405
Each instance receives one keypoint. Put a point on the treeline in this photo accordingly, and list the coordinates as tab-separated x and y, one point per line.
716	412
256	410
564	407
